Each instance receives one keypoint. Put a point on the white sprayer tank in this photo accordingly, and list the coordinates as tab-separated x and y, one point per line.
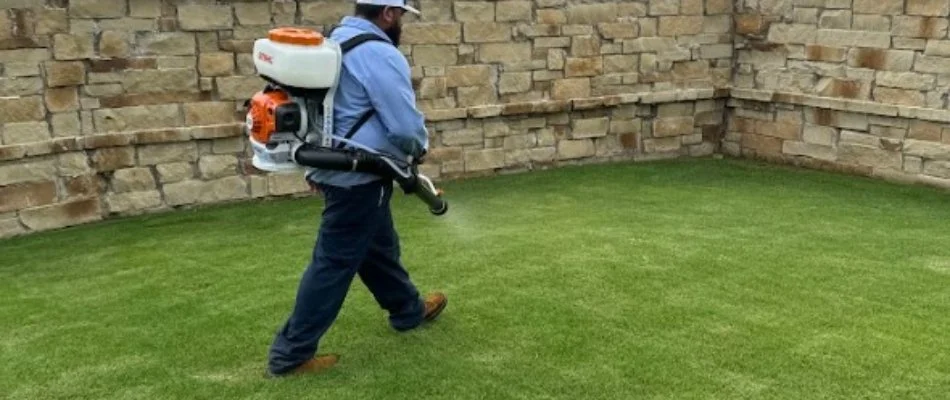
299	58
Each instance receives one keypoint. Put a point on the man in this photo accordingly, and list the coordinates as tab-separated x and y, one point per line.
356	235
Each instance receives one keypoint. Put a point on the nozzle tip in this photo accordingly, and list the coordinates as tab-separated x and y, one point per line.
441	210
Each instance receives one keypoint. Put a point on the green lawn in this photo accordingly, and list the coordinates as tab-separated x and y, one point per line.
701	279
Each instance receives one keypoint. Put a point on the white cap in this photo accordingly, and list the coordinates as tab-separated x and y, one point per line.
391	3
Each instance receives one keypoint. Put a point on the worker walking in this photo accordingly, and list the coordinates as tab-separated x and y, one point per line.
374	105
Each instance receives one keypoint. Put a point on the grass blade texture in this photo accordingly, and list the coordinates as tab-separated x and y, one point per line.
700	279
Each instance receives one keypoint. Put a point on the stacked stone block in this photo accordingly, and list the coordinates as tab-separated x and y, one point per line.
118	107
852	85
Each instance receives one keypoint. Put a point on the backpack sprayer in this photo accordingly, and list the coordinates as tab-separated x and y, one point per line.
290	121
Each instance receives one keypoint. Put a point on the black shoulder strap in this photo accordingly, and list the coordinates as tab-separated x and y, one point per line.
346	46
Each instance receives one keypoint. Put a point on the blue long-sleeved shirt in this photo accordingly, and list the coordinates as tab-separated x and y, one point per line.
374	74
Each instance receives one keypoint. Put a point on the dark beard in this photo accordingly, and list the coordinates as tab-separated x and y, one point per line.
394	33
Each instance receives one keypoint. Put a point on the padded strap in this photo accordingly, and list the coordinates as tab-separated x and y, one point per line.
347	46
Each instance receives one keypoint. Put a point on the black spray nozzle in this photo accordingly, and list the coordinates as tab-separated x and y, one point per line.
423	188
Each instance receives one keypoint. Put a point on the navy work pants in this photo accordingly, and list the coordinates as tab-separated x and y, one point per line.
356	236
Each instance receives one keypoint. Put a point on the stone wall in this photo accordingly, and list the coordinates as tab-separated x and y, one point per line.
850	85
118	107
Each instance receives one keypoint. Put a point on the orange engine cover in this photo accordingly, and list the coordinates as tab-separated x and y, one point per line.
270	111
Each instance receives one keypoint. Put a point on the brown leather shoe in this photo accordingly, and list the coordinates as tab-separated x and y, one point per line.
316	365
435	303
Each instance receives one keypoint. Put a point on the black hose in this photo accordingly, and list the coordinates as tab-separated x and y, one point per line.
343	160
361	161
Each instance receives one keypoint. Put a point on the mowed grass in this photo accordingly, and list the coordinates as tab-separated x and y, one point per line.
700	279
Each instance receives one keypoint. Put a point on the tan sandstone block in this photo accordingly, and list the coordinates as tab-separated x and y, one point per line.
937	168
61	214
19	109
905	80
167	43
432	33
620	64
114	44
252	13
662	145
505	53
462	137
792	33
474	11
468	75
673	126
238	87
919	27
137	117
433	88
174	172
64	73
556	59
513	11
216	64
113	158
25	132
97	8
714	7
591	13
73	47
927	149
869	156
761	144
849	38
205	192
877	23
485	159
931	64
585	46
835	19
198	17
930	8
145	8
680	25
825	53
217	166
783	130
132	179
208	113
551	17
589	127
62	99
751	25
924	130
167	153
882	7
477	95
664	7
618	30
937	48
487	32
583	66
66	124
574	149
26	195
283	184
820	135
809	150
133	202
571	88
514	82
434	55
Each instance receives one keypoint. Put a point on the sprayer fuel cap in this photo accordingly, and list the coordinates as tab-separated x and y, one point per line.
295	36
